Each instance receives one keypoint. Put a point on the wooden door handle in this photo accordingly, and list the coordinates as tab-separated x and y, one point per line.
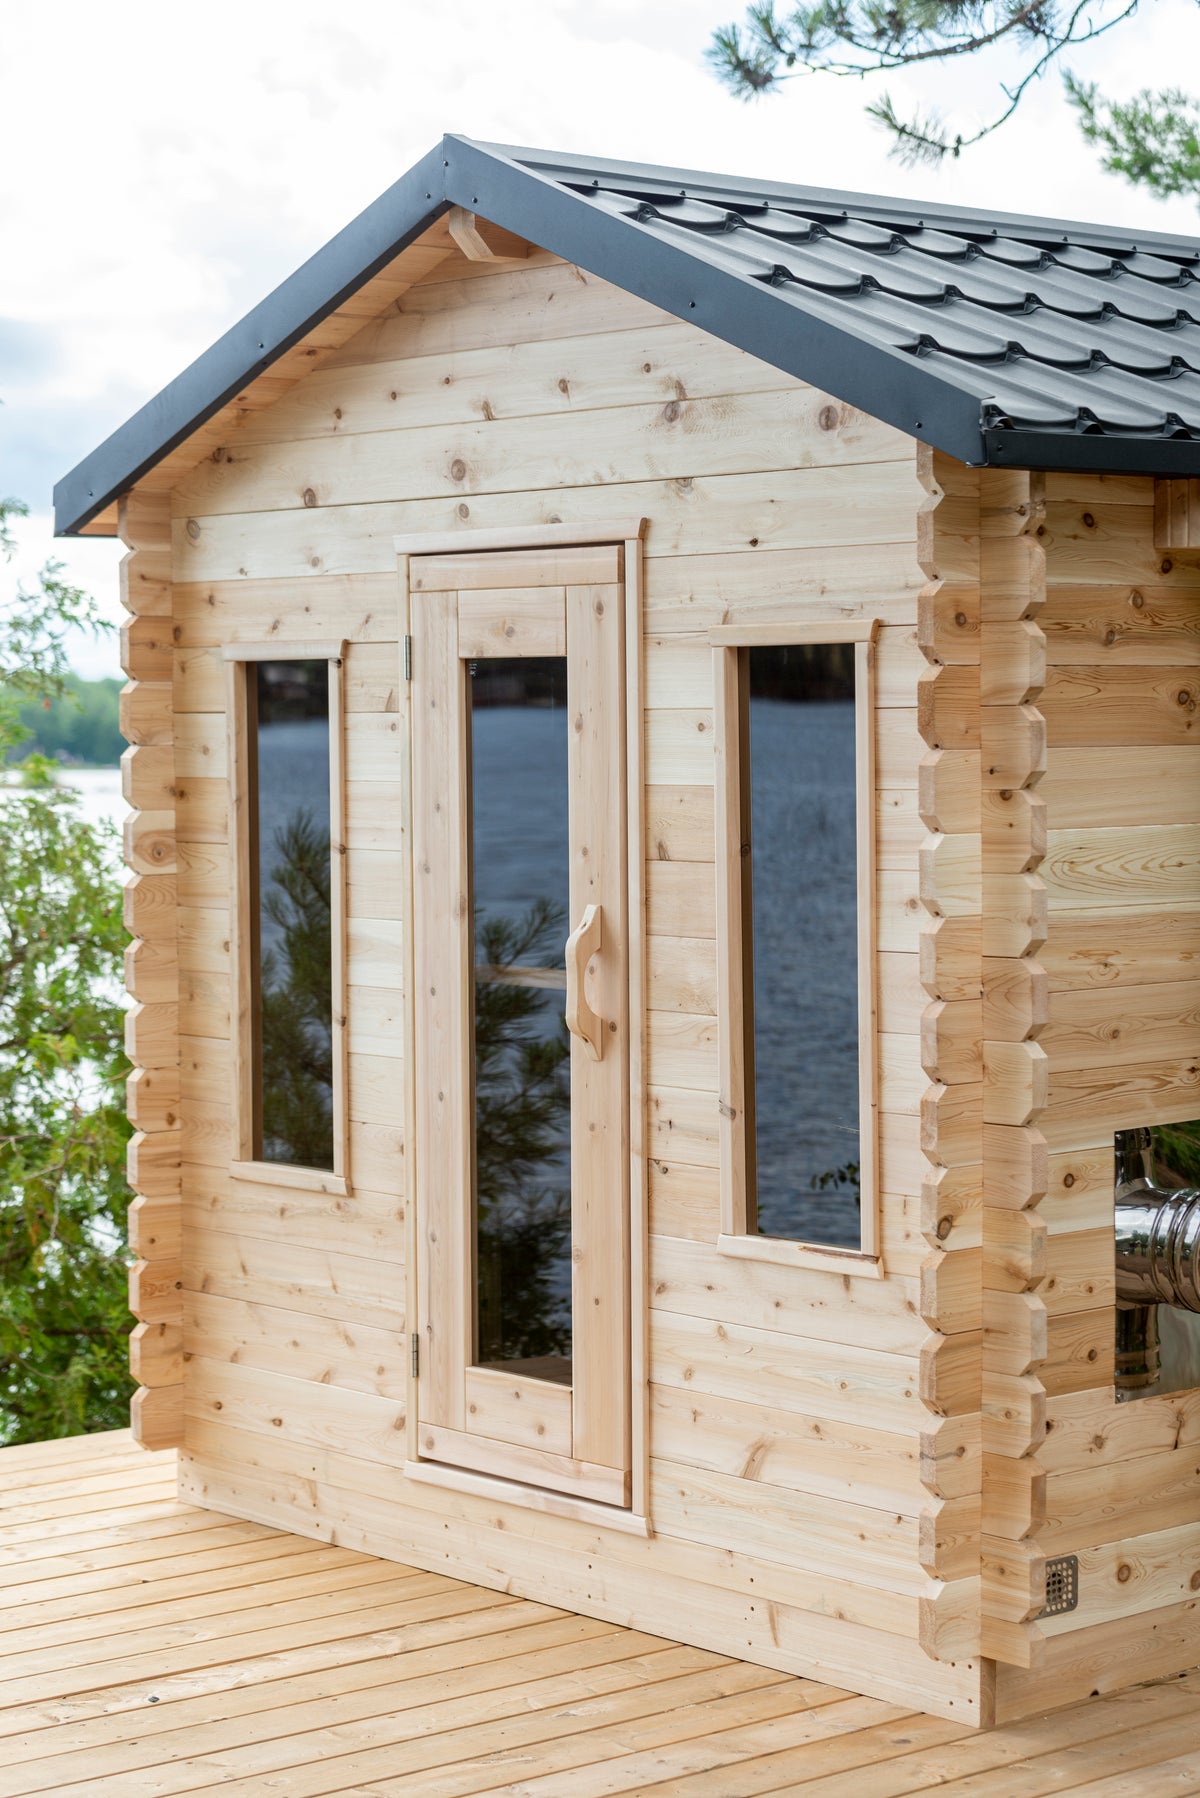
583	942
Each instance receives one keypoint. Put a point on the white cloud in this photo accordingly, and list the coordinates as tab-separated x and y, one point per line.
175	165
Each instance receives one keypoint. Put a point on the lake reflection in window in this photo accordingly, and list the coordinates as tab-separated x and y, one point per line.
290	918
520	890
800	943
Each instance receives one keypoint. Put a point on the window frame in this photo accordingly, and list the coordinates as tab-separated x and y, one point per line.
240	660
729	644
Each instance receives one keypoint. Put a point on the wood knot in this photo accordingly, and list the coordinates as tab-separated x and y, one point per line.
827	418
1124	1573
310	498
458	469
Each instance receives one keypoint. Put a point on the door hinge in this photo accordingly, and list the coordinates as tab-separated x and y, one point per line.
407	657
415	1341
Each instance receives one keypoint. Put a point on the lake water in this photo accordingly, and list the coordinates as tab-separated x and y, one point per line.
805	925
100	796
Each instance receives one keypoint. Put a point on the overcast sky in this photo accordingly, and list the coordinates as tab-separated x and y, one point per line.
164	168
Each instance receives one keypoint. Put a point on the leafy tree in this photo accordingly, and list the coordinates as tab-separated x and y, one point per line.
80	727
63	1304
1151	139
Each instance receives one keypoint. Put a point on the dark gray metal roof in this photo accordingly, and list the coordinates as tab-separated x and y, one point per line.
1001	339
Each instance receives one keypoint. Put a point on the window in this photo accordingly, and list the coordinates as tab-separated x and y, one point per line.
287	928
520	881
795	794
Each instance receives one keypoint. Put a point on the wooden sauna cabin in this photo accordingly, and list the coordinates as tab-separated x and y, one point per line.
665	852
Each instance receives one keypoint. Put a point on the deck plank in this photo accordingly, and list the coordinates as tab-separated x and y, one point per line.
277	1685
270	1732
150	1649
898	1775
429	1748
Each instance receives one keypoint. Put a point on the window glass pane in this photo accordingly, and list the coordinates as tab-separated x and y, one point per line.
522	1050
802	1034
290	907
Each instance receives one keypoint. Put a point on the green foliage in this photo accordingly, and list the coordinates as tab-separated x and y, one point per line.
297	1000
1177	1154
864	38
839	1177
63	1305
1153	139
522	1109
81	728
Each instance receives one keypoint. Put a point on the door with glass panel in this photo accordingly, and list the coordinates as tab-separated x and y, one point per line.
520	1060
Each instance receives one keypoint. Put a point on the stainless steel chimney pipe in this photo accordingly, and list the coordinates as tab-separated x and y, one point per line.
1158	1258
1158	1231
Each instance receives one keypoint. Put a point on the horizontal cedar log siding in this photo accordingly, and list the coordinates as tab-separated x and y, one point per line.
797	1420
1122	784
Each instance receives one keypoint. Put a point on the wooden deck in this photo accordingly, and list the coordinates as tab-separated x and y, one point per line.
153	1648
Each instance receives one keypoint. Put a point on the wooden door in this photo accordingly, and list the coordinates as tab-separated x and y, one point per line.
520	1015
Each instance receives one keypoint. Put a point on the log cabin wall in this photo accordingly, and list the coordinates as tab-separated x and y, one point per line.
813	1438
985	905
1121	790
152	972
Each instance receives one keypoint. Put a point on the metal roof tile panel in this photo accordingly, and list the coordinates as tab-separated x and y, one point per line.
1158	268
1099	398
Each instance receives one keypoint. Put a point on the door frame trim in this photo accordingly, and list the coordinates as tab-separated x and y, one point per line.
629	533
520	536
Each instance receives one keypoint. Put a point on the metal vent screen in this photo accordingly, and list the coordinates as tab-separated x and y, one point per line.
1062	1585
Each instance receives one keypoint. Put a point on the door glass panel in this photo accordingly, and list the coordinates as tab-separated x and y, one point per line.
291	949
802	1044
520	882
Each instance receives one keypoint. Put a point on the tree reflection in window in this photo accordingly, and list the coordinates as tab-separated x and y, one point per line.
290	912
522	1125
297	1000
